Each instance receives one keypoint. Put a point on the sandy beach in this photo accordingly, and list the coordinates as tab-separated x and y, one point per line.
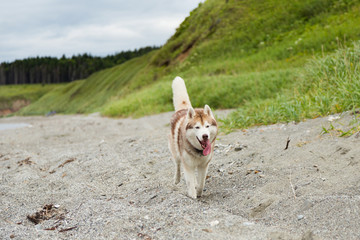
91	177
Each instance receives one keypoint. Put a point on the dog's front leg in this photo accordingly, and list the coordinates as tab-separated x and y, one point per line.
189	172
202	170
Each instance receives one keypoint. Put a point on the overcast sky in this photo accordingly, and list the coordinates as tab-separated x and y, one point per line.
56	27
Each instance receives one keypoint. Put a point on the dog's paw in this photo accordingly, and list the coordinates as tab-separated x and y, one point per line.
176	181
192	194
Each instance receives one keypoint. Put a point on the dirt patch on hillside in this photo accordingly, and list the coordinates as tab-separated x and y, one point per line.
88	177
15	106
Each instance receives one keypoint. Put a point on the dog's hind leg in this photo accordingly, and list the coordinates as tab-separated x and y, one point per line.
202	170
177	171
177	160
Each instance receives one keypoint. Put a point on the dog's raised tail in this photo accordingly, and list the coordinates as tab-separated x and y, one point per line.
180	96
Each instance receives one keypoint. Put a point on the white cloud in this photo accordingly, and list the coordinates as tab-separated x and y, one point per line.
98	32
56	27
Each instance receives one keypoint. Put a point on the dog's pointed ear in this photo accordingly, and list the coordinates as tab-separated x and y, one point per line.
207	110
190	113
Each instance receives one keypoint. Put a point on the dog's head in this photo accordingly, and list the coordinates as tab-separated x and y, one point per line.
201	128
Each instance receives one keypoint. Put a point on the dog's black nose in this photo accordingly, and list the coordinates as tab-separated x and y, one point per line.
205	136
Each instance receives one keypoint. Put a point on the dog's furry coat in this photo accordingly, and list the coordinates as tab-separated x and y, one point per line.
192	139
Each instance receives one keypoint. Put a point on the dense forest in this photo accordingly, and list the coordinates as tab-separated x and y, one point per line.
53	70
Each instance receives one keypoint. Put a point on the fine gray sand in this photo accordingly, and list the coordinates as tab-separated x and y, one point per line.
90	177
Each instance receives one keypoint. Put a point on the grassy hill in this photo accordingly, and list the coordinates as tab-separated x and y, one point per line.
251	55
15	97
89	95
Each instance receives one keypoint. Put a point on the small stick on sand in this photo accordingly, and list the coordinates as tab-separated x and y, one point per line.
287	143
67	229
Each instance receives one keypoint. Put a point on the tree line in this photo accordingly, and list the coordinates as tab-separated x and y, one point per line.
53	70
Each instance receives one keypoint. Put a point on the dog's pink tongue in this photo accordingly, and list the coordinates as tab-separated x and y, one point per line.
207	149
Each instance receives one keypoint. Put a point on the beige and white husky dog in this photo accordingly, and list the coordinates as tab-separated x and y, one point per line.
192	139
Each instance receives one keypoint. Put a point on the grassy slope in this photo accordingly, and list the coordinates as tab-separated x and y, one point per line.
29	93
232	54
330	84
236	59
89	95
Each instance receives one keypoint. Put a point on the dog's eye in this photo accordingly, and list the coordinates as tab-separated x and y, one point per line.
197	127
207	126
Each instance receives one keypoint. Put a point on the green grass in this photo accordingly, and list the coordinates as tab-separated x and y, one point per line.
29	93
224	91
341	129
329	84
